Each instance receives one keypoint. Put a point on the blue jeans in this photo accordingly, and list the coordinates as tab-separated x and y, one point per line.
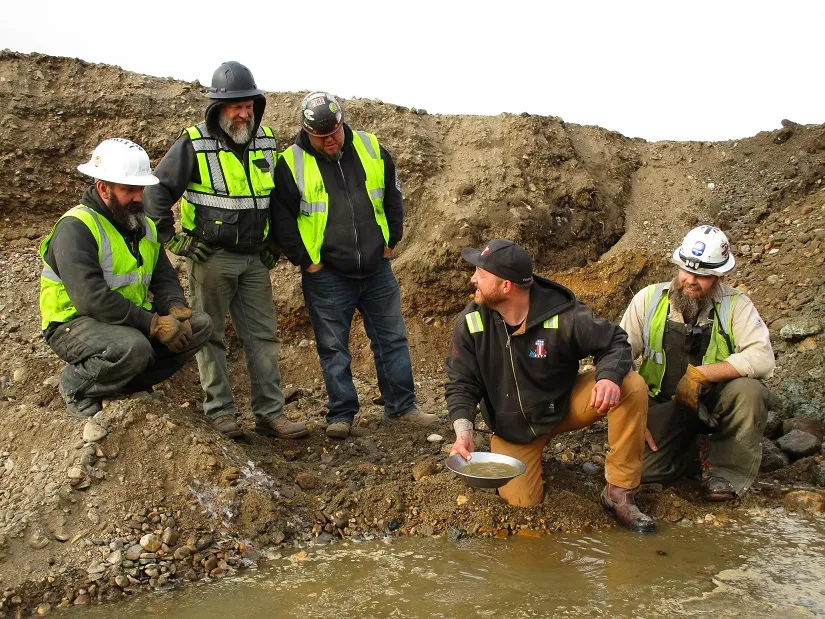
332	300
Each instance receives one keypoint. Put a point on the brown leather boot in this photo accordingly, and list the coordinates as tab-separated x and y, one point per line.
621	504
281	427
228	425
717	489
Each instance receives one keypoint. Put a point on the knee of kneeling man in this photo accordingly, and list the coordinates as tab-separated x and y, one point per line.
201	321
634	385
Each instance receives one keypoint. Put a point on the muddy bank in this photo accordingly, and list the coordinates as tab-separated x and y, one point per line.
150	496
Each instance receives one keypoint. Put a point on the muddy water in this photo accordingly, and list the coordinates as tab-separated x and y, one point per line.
767	565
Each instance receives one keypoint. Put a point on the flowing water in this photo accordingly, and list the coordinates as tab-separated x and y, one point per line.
770	564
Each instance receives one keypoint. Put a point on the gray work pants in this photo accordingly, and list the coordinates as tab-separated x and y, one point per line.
107	360
734	449
238	284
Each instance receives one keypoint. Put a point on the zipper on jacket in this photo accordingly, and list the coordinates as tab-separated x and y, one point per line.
518	391
352	210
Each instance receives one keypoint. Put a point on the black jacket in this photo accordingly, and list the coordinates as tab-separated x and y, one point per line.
72	254
353	242
524	381
179	167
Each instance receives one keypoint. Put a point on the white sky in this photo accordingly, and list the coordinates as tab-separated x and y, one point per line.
700	70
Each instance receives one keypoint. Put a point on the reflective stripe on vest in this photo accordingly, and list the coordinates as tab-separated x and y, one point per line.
654	360
118	265
314	207
474	323
551	323
224	183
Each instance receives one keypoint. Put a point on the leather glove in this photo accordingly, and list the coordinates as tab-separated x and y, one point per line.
690	388
189	247
169	331
183	314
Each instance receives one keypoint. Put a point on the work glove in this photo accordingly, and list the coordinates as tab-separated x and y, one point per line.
183	314
270	254
169	331
689	392
189	247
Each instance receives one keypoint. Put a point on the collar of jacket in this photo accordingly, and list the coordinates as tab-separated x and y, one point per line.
547	299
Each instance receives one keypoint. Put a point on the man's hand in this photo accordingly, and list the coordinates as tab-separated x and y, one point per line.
690	388
170	332
649	440
464	444
605	395
315	267
189	247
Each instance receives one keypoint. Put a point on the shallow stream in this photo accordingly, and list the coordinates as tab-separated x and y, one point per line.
769	564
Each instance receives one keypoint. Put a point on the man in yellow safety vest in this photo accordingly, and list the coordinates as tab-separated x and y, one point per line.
704	349
111	303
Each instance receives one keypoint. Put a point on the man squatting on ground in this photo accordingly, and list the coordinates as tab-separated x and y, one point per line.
704	349
338	213
110	301
516	349
222	172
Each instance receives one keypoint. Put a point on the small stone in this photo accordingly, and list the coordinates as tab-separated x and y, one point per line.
19	375
93	516
299	556
435	438
75	472
204	542
800	329
92	432
306	481
454	534
82	600
590	468
806	424
121	581
805	501
461	499
773	458
115	557
38	540
798	444
182	553
423	469
44	609
133	552
170	536
95	568
303	343
150	542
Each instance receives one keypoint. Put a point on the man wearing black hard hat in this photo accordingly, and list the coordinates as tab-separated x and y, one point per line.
222	171
516	350
338	214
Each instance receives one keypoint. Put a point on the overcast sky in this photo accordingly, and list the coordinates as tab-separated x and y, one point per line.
696	70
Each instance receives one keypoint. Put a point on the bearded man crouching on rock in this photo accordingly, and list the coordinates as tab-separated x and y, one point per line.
704	350
516	349
111	303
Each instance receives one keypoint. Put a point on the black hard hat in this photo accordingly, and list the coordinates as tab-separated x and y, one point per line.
232	80
321	114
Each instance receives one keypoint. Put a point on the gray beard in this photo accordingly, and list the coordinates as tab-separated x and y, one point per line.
689	306
239	136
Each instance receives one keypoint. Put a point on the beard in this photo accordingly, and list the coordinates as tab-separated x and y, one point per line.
129	216
239	131
690	304
492	299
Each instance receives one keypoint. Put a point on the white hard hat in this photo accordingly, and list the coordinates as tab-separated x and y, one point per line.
120	161
704	251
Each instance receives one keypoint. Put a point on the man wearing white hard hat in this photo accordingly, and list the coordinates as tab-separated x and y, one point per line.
110	301
704	350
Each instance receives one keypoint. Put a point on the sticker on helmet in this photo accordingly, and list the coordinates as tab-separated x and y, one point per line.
724	249
96	161
316	102
333	108
309	114
698	248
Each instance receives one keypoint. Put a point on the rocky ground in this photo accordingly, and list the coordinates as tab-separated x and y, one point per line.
147	495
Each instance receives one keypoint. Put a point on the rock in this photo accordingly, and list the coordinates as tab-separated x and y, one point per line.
425	529
75	472
150	542
38	539
115	557
773	427
191	575
423	469
92	432
93	516
435	438
303	343
95	568
820	474
453	534
461	499
204	542
19	375
277	537
773	458
798	444
806	424
809	343
799	329
183	553
170	536
133	552
590	468
44	609
121	581
82	600
805	501
323	538
306	481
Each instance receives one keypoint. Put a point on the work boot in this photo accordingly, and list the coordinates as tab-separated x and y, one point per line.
79	407
228	425
621	504
338	429
717	489
413	416
281	427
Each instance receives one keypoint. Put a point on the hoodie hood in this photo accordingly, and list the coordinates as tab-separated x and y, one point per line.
547	299
213	109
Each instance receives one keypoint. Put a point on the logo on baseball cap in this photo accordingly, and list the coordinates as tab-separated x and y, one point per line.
503	259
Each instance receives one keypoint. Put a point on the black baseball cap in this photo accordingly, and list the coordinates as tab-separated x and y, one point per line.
503	259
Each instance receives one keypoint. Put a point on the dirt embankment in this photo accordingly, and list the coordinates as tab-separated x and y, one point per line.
151	496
